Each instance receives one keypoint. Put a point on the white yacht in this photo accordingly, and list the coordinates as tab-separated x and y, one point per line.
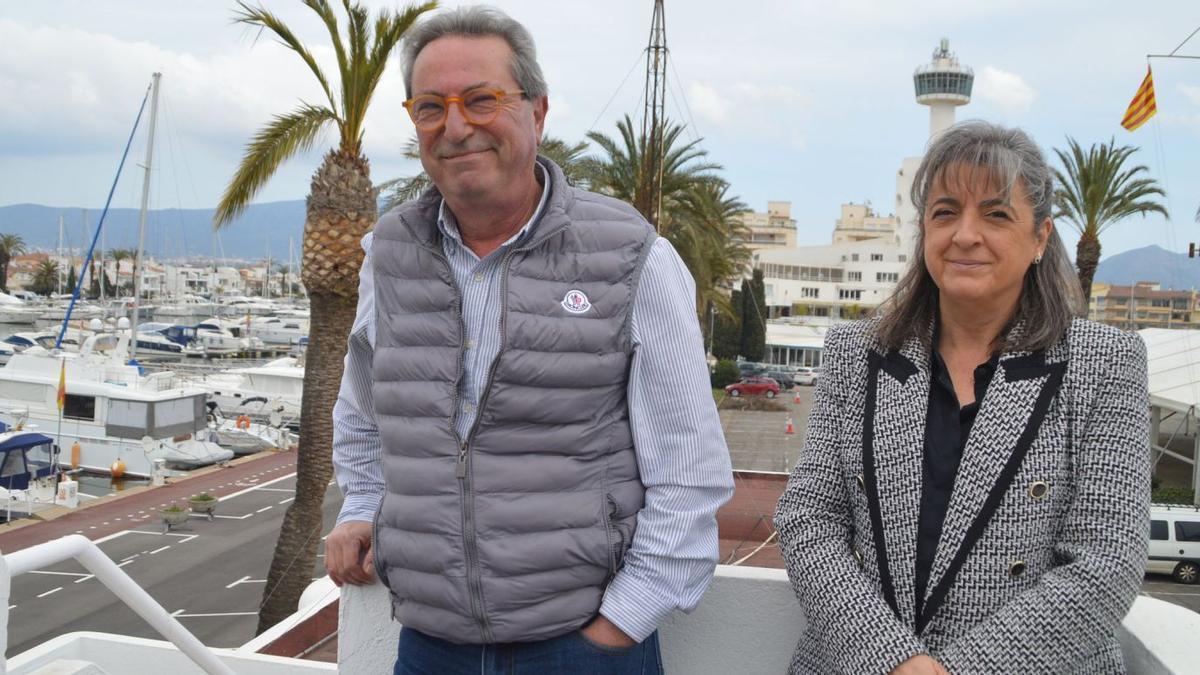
185	308
111	408
240	305
278	329
16	310
276	386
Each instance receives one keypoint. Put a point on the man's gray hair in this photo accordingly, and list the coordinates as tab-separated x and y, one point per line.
477	21
977	153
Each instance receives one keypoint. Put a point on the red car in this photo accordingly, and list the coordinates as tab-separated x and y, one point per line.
754	385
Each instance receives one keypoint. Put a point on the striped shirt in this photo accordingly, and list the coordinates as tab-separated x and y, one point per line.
682	457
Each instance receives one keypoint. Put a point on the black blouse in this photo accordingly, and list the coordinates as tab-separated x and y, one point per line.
946	429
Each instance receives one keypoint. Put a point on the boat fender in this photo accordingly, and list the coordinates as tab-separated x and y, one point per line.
243	422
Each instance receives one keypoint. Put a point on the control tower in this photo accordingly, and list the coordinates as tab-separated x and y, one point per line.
943	85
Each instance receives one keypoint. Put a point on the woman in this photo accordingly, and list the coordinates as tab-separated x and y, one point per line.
972	496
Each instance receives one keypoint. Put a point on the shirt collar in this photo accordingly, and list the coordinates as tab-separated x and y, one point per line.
448	225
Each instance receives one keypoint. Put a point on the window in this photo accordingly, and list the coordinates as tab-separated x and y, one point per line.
808	292
903	257
1185	531
80	407
876	257
1158	530
854	257
849	294
887	277
853	276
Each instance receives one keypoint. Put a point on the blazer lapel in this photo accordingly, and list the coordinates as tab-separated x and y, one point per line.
893	442
1007	423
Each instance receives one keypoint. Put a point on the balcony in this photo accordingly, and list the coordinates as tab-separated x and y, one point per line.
748	622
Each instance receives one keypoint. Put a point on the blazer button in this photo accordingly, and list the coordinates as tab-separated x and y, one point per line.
1038	489
862	485
858	556
1016	568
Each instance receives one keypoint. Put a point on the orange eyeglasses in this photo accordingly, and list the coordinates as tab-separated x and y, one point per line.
478	106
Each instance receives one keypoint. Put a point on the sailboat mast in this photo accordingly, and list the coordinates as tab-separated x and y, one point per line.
137	265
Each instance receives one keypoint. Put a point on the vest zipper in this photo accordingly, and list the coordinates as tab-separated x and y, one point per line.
466	498
474	573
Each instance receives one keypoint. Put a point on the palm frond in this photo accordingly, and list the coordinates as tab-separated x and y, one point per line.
258	16
285	136
1096	189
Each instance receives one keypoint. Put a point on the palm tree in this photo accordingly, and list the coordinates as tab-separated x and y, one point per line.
45	277
11	246
1097	191
341	208
118	255
570	158
698	216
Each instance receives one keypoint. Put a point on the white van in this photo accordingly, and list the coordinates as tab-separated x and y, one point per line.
1175	542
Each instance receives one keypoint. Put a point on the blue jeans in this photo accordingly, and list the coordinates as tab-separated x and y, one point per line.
421	654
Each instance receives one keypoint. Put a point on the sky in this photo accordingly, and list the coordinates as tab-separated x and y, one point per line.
801	101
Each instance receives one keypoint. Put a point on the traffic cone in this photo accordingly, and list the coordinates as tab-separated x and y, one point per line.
797	399
791	429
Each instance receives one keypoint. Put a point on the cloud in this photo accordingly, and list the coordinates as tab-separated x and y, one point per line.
749	107
1192	93
1007	91
70	90
708	104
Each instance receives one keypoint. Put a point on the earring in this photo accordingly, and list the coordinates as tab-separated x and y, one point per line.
1038	259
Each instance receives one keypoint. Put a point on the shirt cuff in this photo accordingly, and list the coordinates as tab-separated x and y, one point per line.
359	507
634	605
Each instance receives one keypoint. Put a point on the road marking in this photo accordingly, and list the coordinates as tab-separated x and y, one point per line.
276	490
159	549
65	574
186	537
50	591
289	499
246	580
256	487
180	615
12	607
265	508
218	515
124	563
1169	593
80	580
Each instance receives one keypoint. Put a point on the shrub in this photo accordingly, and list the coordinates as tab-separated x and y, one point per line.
726	372
1172	495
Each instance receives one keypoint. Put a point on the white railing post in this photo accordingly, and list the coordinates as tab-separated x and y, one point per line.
116	580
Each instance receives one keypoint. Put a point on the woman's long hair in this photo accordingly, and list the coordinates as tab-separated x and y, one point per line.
969	153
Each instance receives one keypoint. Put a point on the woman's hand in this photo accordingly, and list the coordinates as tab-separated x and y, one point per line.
920	664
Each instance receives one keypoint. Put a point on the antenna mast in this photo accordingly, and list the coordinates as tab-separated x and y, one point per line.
654	119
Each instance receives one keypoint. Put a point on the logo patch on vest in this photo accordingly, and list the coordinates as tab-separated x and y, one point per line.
576	302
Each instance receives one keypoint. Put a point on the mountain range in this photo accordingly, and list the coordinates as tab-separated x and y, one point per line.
170	233
266	229
1151	263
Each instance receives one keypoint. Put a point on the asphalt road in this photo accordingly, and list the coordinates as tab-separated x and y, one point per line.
211	575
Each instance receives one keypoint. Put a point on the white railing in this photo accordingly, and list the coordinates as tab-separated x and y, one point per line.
116	580
748	622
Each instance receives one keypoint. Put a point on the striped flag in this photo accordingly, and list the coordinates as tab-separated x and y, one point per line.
1142	107
62	386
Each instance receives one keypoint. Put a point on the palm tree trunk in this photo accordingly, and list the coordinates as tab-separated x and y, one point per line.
1087	258
300	534
341	209
4	273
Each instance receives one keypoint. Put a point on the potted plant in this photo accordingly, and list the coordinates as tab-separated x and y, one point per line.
203	503
173	515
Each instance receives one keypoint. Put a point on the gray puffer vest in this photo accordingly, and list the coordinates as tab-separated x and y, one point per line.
512	533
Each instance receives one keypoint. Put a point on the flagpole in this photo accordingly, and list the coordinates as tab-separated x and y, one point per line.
1171	56
62	399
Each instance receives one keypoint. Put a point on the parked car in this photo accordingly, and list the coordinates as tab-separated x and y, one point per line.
783	377
750	386
807	376
749	368
1175	542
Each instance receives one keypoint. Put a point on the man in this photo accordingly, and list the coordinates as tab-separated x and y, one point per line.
530	456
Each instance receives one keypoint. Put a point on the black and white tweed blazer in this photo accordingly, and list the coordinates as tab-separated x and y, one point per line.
1044	543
